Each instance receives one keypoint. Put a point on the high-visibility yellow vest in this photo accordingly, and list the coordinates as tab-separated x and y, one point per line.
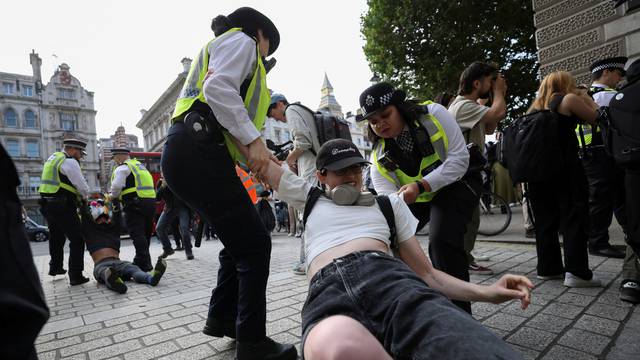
256	100
143	181
589	131
440	144
50	182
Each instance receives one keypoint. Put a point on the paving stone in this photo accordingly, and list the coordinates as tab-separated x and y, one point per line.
49	355
513	308
532	338
106	332
116	349
223	344
279	326
481	310
78	330
193	339
85	346
164	335
564	353
57	344
503	321
608	311
281	313
124	319
528	354
584	341
550	287
563	310
164	310
180	321
597	325
136	333
55	326
575	299
193	353
76	357
274	305
152	352
149	321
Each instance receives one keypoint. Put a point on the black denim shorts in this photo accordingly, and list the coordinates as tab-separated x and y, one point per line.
410	319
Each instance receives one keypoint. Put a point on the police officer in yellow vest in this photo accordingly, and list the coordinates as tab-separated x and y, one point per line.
62	187
418	149
606	179
217	121
132	184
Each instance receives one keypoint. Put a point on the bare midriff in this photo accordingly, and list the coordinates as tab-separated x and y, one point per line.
104	253
359	244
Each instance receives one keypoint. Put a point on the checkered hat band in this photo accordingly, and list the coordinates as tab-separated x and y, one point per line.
608	66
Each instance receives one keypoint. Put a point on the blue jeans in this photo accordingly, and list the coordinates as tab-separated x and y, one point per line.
409	319
124	269
164	222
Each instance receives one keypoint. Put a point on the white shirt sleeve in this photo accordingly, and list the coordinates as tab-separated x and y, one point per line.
381	184
603	98
293	189
299	121
71	169
230	64
120	180
457	162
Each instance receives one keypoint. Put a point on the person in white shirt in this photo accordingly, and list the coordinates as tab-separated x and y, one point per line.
217	121
62	187
419	149
362	302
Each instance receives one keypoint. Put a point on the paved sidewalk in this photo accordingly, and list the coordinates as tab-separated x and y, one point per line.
165	322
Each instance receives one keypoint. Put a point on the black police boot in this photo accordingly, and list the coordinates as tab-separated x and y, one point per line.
220	328
189	254
265	349
54	272
77	279
166	253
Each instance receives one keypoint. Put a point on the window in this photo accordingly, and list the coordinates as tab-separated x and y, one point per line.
67	121
34	183
30	119
7	88
13	148
10	118
33	149
27	90
66	94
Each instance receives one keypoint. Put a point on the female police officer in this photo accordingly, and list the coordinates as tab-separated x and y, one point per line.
418	150
218	115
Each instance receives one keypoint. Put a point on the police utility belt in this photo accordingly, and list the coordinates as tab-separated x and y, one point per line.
203	126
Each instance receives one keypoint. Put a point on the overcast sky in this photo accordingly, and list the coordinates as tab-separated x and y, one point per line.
128	52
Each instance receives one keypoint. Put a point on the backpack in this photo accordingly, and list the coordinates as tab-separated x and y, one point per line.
622	135
383	202
328	126
531	148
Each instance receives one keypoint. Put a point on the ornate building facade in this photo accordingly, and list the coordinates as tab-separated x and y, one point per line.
35	118
571	34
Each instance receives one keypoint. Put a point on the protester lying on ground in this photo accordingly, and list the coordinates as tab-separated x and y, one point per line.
364	303
101	230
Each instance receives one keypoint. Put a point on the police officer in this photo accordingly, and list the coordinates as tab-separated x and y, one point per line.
217	121
606	179
62	187
419	150
132	184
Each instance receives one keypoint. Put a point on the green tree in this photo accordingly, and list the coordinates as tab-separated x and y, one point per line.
424	45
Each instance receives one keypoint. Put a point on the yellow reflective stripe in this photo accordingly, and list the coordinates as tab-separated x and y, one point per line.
127	191
384	172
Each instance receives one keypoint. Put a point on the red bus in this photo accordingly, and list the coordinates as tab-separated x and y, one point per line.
150	160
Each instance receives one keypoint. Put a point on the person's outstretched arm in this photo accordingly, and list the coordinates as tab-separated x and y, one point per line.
509	287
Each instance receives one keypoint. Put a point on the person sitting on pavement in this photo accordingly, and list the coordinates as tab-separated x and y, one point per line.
362	301
101	229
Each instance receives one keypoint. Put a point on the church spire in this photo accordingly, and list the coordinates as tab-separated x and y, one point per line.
328	101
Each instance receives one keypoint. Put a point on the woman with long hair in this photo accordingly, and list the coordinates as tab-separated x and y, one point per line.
561	204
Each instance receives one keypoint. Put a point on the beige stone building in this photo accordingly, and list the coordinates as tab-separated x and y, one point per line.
119	139
35	118
571	34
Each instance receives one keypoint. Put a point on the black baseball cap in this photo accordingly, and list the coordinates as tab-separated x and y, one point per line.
338	154
377	97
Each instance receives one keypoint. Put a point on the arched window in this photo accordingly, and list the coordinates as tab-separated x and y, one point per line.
30	119
10	118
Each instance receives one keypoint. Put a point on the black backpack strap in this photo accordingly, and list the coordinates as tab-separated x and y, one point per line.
387	210
312	198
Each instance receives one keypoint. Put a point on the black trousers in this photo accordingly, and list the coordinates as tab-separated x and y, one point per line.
63	222
632	187
606	196
202	174
448	214
138	216
561	205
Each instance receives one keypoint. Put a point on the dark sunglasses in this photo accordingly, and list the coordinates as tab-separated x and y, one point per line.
353	169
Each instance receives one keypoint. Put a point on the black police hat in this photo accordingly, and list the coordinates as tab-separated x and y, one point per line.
246	17
338	154
609	63
120	151
378	96
633	71
75	143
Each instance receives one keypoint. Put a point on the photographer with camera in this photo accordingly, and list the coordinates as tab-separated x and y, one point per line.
479	82
419	150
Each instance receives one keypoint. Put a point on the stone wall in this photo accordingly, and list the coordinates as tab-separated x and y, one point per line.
571	34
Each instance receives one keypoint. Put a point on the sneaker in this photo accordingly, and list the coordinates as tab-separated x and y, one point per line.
481	257
299	269
265	349
630	291
474	268
158	271
530	233
114	282
550	277
571	280
167	252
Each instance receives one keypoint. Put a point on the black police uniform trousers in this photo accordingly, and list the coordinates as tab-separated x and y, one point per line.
63	222
560	205
138	214
201	173
606	196
632	187
448	214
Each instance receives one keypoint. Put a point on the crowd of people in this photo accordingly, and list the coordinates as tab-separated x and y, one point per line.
373	292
